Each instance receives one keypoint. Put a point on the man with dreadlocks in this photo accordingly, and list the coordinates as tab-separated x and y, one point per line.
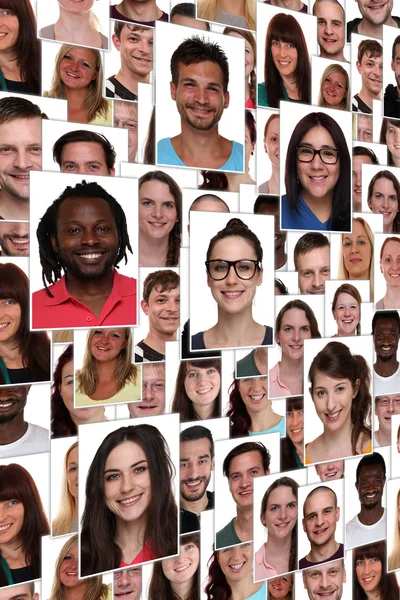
83	233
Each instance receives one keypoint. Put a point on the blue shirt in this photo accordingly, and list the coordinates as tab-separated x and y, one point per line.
166	155
261	594
304	219
279	427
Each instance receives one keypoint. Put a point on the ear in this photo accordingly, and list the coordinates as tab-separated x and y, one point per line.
356	388
260	277
262	519
344	575
310	391
303	521
358	65
172	89
392	65
268	471
53	243
277	337
380	266
265	146
212	465
227	99
337	514
369	203
116	42
112	172
145	307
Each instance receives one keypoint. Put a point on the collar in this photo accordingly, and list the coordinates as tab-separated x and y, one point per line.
122	286
274	372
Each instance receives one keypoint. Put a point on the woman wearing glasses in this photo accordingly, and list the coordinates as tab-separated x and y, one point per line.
234	271
317	177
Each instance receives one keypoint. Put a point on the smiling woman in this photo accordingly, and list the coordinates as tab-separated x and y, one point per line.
383	199
334	88
390	269
197	390
357	253
66	520
346	307
370	578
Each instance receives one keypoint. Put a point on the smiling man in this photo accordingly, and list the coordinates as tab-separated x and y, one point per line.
84	152
320	516
370	66
14	238
153	392
330	470
385	408
361	156
375	14
370	523
25	591
312	262
331	20
161	304
386	335
128	584
84	233
325	581
241	465
199	86
135	45
391	100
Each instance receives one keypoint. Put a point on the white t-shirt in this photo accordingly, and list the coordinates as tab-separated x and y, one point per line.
387	385
34	441
358	534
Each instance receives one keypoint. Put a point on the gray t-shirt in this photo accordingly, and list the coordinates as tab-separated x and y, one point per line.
227	19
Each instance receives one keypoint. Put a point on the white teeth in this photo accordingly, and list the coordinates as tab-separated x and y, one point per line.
129	500
179	569
236	567
257	398
204	391
90	255
3	325
5	527
19	241
232	293
193	483
333	415
7	405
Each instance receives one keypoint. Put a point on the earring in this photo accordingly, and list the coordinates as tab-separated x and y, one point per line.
297	178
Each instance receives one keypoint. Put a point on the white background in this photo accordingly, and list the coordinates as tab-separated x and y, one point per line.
362	286
59	448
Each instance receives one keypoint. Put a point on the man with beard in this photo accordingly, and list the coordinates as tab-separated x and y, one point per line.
14	238
17	437
386	334
199	86
196	466
325	581
320	516
269	205
370	523
84	233
391	100
374	14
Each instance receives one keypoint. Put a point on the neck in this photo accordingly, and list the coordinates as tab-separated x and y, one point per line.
291	366
261	360
152	252
290	85
195	507
236	179
11	354
89	289
236	8
73	23
396	160
372	30
338	56
386	368
13	554
14	208
324	552
75	98
183	589
300	450
13	430
244	588
383	437
260	421
9	65
130	537
392	297
77	592
140	11
195	142
370	517
156	340
106	370
98	417
338	439
131	80
280	257
205	412
244	521
232	328
278	547
321	207
367	97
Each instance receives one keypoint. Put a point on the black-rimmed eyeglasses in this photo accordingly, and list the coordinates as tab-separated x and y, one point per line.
244	269
329	156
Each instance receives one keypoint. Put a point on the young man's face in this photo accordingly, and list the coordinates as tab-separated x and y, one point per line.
196	465
153	393
136	50
325	580
199	95
364	128
18	592
385	408
396	64
87	238
163	310
386	339
314	269
87	158
330	470
356	170
320	517
125	116
370	486
14	238
242	470
20	153
12	401
371	71
128	584
376	13
330	29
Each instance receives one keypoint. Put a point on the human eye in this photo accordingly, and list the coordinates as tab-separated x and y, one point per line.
133	38
116	335
169	205
328	153
94	167
305	151
36	149
72	469
360	563
339	85
86	64
287	328
9	302
321	21
211	371
234	477
147	202
191	374
254	472
213	88
7	12
189	546
67	557
139	469
67	57
69	167
103	229
361	242
346	244
305	328
306	273
5	149
289	415
13	502
74	230
290	46
393	198
320	393
112	477
243	267
340	388
158	387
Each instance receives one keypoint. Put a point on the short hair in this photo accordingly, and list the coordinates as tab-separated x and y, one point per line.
186	9
49	259
82	135
370	47
119	25
386	314
362	150
195	50
200	199
396	41
391	238
320	488
242	449
164	280
281	287
263	200
197	432
371	460
18	108
330	2
307	243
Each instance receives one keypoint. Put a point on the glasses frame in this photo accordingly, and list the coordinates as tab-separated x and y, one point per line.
319	154
233	263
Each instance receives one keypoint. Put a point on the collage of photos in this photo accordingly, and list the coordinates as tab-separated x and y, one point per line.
199	300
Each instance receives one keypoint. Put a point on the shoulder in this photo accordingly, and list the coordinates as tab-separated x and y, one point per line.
104	41
235	160
262	98
267	341
352	27
198	341
47	32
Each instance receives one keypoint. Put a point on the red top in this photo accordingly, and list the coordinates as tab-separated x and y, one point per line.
249	103
143	556
65	311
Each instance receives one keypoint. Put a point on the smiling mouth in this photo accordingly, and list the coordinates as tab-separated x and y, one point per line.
232	295
296	431
193	485
4	528
147	407
103	348
123	594
127	502
319	531
5	405
205	391
386	348
4	325
331	474
256	398
237	566
20	176
180	569
246	493
156	224
334	416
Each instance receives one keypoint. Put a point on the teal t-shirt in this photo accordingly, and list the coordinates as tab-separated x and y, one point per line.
280	427
262	97
227	536
260	594
246	366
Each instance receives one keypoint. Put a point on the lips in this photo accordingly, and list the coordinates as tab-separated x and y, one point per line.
182	568
232	295
4	325
4	528
131	501
237	567
332	417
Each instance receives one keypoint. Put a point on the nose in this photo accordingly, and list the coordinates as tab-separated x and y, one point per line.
328	27
192	470
172	306
89	238
145	47
347	311
385	202
296	420
157	210
231	278
127	482
246	481
282	512
324	581
316	162
317	280
357	179
330	401
147	392
202	95
124	579
23	159
236	553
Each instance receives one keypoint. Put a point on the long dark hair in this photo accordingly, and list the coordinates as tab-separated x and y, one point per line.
27	47
283	27
288	450
300	305
99	551
181	402
217	587
382	136
17	484
388	586
61	423
336	361
340	214
160	586
34	347
385	174
239	418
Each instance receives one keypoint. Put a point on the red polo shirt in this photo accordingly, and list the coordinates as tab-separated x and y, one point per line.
64	311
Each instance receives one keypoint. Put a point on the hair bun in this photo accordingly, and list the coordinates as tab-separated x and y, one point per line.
236	224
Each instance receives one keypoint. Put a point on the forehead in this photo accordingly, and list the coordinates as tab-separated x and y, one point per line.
188	21
319	257
232	248
245	461
19	390
72	551
319	501
89	150
79	53
362	160
128	451
160	291
329	11
21	129
152	373
369	471
85	209
143	34
268	209
392	248
282	493
195	447
73	455
367	57
319	135
389	325
294	315
345	297
126	110
209	205
205	71
18	590
156	190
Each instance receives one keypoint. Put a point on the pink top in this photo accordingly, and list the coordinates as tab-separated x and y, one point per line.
64	310
263	569
277	389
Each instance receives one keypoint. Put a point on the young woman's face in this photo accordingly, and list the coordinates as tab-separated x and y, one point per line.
317	178
69	568
285	57
254	393
182	568
10	319
384	200
369	574
248	53
72	472
75	7
236	562
357	251
295	425
202	385
334	89
9	29
294	329
279	587
233	294
390	264
67	393
11	520
106	344
78	68
393	140
127	484
271	142
280	516
333	399
157	210
346	314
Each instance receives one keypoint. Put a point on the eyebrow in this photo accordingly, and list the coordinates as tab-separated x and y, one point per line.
77	222
139	462
308	144
191	80
201	456
74	162
246	471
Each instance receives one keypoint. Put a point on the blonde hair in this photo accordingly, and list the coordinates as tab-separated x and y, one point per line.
87	378
95	104
65	517
345	104
96	589
394	557
343	272
64	336
207	9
